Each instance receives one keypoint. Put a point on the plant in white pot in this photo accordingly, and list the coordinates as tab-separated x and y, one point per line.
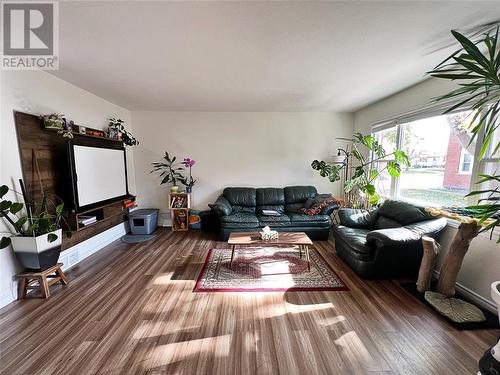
36	233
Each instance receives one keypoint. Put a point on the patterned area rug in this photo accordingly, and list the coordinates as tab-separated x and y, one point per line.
266	269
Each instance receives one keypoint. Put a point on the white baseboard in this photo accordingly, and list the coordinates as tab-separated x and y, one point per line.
77	253
472	296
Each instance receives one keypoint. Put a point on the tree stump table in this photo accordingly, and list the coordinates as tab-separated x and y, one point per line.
442	300
42	280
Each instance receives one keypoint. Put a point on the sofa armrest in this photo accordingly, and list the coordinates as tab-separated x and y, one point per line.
328	210
406	235
356	218
221	206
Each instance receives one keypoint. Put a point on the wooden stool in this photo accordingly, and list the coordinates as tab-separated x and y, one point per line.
39	280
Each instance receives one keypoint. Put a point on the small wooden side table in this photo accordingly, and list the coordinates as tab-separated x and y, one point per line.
40	280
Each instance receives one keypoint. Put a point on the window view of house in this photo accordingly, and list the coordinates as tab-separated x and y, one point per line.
441	157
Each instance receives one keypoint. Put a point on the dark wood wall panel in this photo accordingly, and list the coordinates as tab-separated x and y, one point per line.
45	168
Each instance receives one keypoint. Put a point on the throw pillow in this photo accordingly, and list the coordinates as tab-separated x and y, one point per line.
308	203
317	208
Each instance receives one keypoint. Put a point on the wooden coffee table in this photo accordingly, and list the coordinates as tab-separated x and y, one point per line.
284	238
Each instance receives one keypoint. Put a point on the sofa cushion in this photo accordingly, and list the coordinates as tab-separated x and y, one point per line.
270	199
303	220
240	196
274	221
385	223
239	220
357	218
296	196
404	212
270	196
355	238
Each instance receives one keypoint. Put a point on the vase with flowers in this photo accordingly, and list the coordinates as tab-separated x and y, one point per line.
189	181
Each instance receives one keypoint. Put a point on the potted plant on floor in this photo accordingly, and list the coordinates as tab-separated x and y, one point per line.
478	75
359	178
170	171
36	233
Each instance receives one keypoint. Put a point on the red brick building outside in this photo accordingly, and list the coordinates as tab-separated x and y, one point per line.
453	177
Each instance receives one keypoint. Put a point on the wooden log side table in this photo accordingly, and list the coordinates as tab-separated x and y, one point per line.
40	280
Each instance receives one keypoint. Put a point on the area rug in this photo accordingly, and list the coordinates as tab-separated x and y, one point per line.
266	269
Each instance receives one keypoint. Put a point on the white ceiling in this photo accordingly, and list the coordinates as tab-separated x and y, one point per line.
256	56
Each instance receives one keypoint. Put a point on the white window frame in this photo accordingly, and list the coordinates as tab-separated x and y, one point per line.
427	112
461	170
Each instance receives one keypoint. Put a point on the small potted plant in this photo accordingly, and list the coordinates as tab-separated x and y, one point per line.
54	121
170	171
36	231
117	130
189	182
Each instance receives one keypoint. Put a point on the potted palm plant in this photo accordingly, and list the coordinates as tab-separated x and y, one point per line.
170	171
476	67
36	233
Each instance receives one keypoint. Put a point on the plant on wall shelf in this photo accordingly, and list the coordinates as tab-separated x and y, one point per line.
117	126
478	75
170	171
359	184
53	121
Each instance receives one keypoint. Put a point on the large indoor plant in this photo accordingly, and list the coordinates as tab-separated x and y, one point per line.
360	168
170	171
476	68
35	230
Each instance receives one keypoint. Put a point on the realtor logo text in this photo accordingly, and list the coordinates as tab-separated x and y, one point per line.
30	35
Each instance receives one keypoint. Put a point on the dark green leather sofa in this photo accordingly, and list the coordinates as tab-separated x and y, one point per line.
240	210
385	242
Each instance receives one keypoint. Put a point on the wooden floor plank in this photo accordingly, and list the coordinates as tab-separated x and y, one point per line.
130	309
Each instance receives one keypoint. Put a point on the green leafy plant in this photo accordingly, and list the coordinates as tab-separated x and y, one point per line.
36	220
478	75
169	170
364	173
53	121
117	125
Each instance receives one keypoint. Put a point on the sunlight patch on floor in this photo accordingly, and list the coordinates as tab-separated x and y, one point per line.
163	279
217	346
354	347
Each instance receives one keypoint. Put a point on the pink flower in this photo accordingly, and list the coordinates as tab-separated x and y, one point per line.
188	163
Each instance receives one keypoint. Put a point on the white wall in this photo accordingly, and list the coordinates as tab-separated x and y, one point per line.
41	93
482	263
236	149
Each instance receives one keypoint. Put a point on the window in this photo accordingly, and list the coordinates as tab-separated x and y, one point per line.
466	161
441	157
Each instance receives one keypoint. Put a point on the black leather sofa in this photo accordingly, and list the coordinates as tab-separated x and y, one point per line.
240	210
385	242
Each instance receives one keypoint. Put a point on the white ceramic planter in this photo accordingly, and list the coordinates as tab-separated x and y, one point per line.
37	253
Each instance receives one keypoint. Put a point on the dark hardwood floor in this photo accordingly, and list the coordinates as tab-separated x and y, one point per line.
130	309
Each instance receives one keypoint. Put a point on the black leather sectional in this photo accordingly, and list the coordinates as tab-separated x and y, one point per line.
240	210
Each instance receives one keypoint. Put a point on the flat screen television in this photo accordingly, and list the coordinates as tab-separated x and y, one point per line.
98	174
